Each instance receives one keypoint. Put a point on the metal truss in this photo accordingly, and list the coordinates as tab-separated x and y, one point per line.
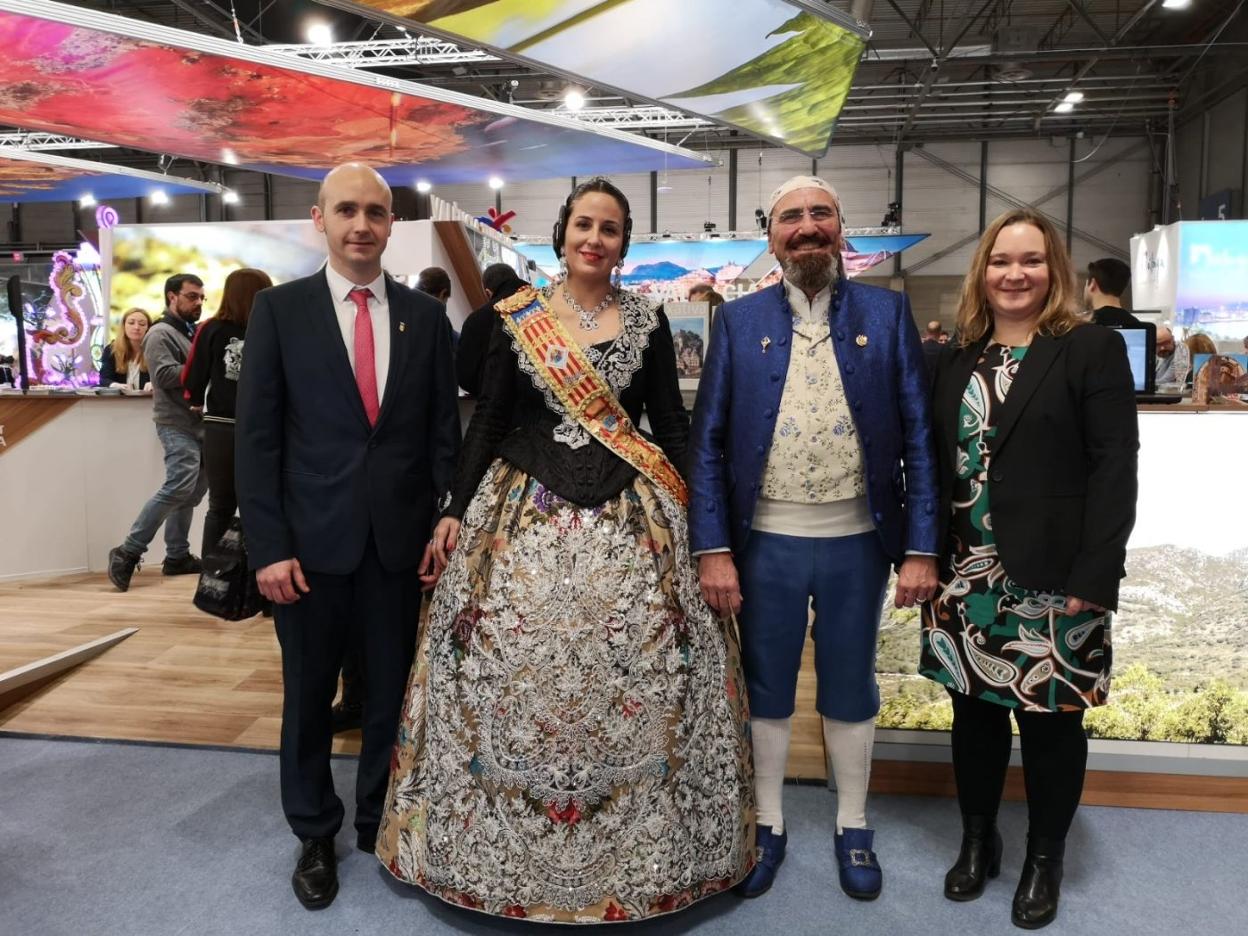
386	53
643	117
34	141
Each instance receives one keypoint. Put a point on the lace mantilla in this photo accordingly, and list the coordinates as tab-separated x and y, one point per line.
617	362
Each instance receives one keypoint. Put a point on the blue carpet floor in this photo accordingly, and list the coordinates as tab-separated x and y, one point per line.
100	838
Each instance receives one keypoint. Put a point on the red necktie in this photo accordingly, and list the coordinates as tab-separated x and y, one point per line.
365	355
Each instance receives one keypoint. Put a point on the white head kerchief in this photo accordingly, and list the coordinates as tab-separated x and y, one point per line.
801	182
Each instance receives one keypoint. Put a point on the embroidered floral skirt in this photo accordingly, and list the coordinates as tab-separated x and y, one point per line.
574	744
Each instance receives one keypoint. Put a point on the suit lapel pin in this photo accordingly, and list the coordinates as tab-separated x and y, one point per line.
861	340
766	343
402	326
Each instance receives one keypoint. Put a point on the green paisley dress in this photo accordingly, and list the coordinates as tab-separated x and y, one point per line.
984	635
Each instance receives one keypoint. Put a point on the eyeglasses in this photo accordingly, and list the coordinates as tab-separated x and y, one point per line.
193	297
820	214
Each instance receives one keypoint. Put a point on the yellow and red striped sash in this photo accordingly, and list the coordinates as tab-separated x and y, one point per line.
581	389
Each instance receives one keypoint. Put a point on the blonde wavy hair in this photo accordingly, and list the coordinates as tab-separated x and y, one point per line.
123	351
1062	306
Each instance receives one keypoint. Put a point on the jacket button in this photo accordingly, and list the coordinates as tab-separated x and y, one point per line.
372	443
753	486
879	517
775	377
840	336
998	476
849	368
710	507
767	413
759	450
745	524
929	509
857	406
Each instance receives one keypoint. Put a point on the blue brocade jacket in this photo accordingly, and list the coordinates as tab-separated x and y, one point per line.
882	370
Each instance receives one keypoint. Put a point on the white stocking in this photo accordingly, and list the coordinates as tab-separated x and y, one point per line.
771	753
849	745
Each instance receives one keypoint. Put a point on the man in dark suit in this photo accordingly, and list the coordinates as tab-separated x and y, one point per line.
347	434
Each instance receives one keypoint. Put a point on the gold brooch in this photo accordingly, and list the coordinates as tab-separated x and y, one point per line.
402	326
862	341
766	343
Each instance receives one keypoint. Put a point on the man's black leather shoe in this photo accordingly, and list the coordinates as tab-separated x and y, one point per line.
183	565
316	875
121	566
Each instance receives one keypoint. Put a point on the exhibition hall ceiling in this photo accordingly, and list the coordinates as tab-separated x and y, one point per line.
33	176
781	72
114	80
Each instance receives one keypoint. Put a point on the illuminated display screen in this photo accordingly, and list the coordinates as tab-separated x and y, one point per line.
201	98
765	66
23	180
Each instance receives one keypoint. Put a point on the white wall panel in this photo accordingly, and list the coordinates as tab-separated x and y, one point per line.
697	196
1113	204
941	204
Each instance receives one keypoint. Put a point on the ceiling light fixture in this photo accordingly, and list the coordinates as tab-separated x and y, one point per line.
87	200
1073	97
1064	108
229	157
424	187
230	197
574	100
159	197
1176	4
319	33
496	183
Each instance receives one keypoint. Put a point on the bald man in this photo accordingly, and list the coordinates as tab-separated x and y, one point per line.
347	435
811	473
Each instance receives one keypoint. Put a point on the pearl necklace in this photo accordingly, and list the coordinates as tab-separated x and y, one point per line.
588	317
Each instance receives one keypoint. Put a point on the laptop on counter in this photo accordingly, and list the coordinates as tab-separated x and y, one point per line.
1141	341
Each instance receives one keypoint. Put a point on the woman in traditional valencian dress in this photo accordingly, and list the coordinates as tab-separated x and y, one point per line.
1035	422
573	747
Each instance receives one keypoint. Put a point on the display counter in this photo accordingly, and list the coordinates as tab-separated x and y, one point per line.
74	472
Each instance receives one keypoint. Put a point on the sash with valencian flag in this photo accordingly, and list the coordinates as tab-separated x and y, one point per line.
580	388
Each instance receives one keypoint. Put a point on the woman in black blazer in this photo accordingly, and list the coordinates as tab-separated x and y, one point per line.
121	362
1034	411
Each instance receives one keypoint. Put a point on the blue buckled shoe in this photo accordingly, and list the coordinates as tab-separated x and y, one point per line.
770	856
860	871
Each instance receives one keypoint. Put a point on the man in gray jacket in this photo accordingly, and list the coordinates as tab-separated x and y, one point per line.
166	347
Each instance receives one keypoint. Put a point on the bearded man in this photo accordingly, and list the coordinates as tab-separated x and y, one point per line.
812	473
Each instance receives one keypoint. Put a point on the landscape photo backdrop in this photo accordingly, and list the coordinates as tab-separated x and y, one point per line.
1180	636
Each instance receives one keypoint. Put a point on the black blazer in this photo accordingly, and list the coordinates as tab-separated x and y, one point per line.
1062	481
313	478
108	370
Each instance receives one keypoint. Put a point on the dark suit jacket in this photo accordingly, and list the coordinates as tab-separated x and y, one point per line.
1062	480
313	478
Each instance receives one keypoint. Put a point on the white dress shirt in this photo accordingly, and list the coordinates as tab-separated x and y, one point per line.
379	311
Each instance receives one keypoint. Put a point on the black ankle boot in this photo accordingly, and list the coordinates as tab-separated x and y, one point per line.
979	859
1035	901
